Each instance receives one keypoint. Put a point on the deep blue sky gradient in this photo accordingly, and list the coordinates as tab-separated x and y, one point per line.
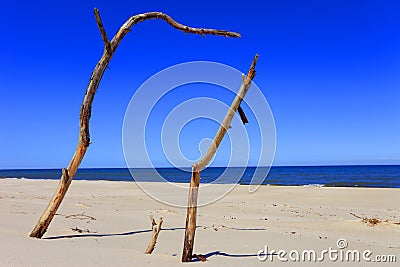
329	70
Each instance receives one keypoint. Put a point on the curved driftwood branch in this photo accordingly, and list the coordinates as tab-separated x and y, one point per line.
191	213
86	108
102	30
212	149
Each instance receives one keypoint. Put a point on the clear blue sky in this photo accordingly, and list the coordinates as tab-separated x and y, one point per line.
329	69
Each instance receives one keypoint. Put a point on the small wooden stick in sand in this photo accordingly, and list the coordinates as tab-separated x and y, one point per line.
156	230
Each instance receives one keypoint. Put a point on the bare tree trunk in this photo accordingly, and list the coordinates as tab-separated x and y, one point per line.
188	243
86	109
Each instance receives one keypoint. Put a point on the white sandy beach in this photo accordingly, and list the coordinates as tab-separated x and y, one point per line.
116	226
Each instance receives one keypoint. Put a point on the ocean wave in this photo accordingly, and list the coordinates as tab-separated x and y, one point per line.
313	185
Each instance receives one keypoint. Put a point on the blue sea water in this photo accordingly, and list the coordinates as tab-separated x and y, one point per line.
336	176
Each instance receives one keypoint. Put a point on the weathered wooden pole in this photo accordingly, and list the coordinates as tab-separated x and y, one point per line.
86	109
191	215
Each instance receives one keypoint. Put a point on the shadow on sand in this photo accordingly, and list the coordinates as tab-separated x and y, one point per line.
107	235
195	258
219	253
95	235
